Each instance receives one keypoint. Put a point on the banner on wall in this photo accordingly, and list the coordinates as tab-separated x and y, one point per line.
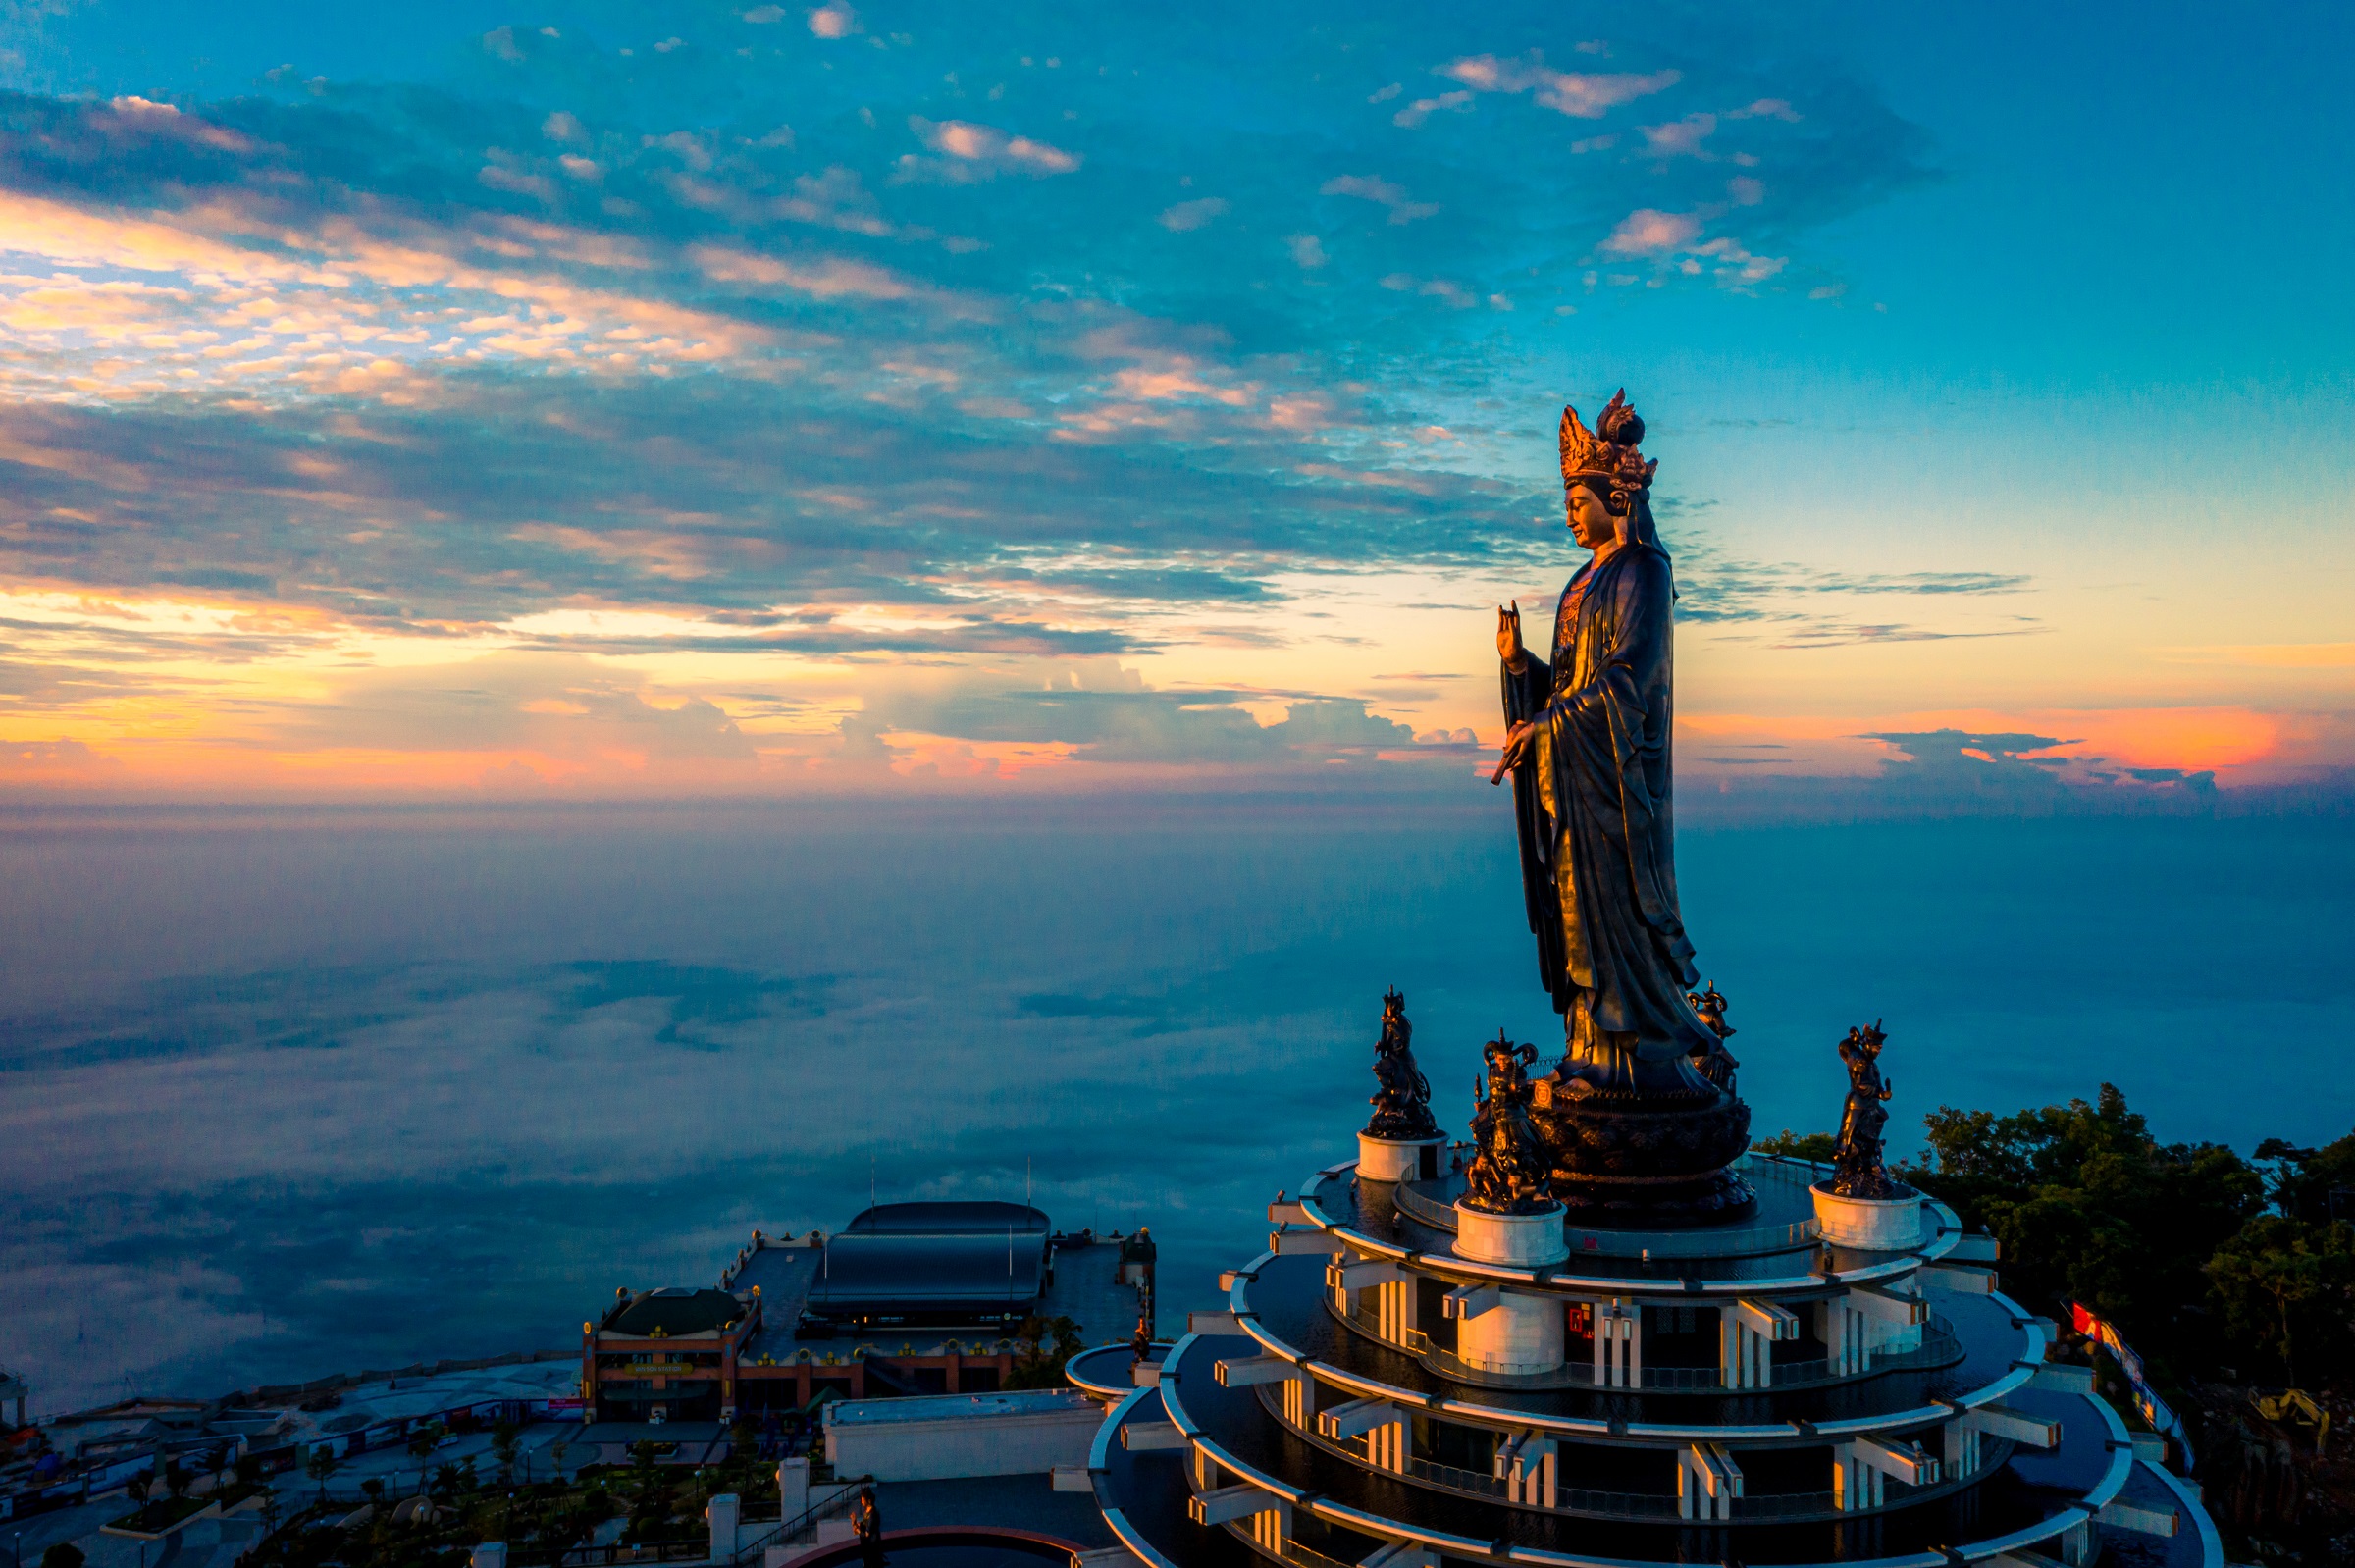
2147	1402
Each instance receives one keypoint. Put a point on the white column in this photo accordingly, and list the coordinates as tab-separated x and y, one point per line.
1746	1332
1226	1504
1960	1448
1387	1429
1514	1331
1847	1338
1707	1481
1855	1485
1618	1344
721	1514
1860	1469
1242	1372
1206	1468
793	1487
1527	1462
1517	1332
1351	1282
1895	1317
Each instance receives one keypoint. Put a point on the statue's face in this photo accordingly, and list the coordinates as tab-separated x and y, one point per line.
1590	519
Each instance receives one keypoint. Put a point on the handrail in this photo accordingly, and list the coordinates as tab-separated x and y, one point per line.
1664	1506
676	1548
1293	1553
1706	1243
840	1502
1939	1343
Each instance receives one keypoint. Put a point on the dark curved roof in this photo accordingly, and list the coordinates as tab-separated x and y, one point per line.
983	1218
676	1311
931	1275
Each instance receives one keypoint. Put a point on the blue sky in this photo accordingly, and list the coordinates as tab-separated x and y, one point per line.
757	399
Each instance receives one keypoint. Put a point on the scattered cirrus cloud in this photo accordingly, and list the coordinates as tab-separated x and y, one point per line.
1649	231
757	369
832	21
1368	188
1582	95
1186	216
979	152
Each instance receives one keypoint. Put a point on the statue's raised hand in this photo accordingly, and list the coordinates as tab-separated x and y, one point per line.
1508	636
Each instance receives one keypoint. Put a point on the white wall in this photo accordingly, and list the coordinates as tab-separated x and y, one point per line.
961	1435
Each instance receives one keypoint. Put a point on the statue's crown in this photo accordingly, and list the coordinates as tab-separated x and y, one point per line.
1608	450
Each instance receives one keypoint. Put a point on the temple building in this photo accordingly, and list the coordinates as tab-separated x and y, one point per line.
909	1298
1404	1378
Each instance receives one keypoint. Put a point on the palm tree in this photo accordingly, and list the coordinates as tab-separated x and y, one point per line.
322	1464
505	1437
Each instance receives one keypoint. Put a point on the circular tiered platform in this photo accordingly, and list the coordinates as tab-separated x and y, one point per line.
1746	1392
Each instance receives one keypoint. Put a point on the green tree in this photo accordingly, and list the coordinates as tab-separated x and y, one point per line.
373	1489
505	1440
2288	1287
2303	1181
176	1479
1041	1346
2091	1208
1816	1146
64	1554
139	1485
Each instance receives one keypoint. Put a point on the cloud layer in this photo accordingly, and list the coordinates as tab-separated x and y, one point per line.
777	396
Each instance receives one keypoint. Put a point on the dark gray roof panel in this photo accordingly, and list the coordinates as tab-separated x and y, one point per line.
950	1219
899	1274
676	1311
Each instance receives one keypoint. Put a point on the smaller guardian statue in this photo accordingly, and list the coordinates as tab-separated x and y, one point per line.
1716	1064
1140	1343
1508	1174
1857	1167
1402	1103
867	1520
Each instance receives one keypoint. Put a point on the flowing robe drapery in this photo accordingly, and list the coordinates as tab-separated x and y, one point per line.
1592	808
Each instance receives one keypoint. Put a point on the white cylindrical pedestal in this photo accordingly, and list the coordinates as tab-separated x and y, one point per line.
1397	1159
1520	1334
1875	1225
